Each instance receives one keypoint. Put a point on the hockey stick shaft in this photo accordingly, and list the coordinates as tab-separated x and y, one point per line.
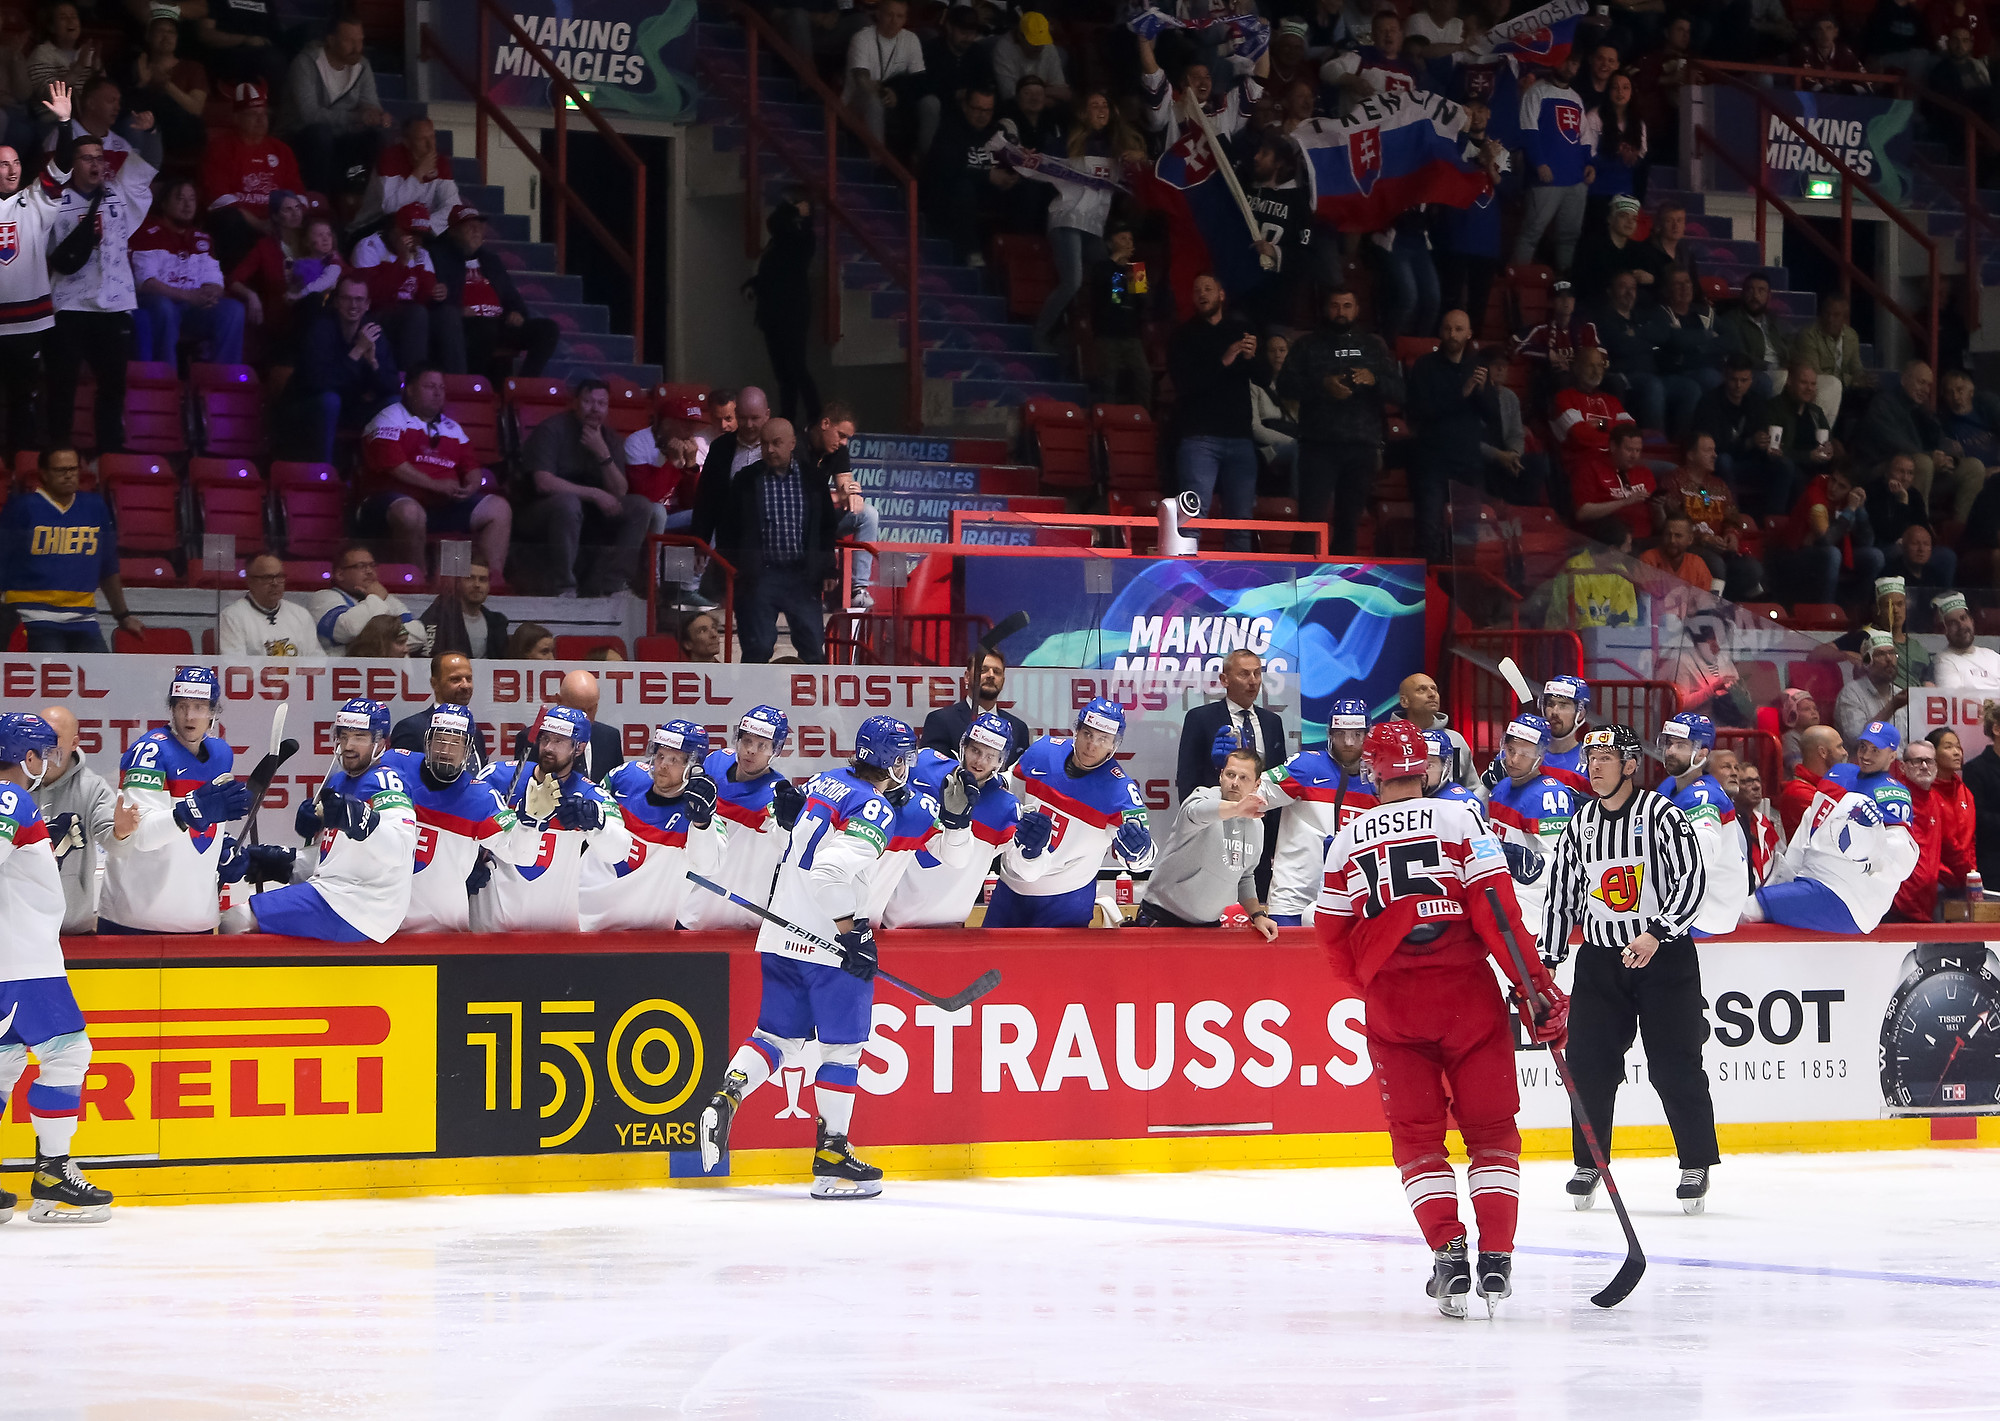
260	782
1635	1255
978	989
1221	155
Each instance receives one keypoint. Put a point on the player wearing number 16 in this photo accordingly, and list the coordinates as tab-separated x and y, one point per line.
1408	925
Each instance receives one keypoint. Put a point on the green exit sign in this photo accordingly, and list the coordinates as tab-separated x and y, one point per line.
1820	187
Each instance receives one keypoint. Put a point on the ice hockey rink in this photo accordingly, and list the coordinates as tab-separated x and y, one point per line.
1864	1285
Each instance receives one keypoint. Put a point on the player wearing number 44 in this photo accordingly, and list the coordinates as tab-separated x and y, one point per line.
574	818
669	806
353	878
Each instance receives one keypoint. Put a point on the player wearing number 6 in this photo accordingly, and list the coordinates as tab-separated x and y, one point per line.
1077	804
354	876
1408	926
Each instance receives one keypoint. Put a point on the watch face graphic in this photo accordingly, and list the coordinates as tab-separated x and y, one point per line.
1940	1051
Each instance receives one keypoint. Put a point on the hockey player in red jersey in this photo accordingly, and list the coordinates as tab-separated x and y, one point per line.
1406	924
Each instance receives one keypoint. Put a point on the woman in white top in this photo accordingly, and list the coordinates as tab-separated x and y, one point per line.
881	64
1098	143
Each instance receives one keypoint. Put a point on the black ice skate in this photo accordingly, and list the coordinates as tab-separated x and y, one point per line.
837	1174
1494	1279
63	1196
1693	1190
716	1117
7	1203
1582	1187
1451	1278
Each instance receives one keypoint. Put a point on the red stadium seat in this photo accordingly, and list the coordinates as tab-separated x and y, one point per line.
631	405
235	473
149	518
154	641
308	576
147	572
117	469
234	509
402	577
222	377
1128	443
656	648
232	422
473	402
288	475
534	399
1817	617
315	523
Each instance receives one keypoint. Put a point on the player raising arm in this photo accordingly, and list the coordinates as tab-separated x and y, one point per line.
939	889
1408	928
838	841
669	806
461	823
1320	790
574	818
1083	805
755	809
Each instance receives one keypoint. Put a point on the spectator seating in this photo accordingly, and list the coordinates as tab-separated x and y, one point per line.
655	648
229	411
233	509
154	641
473	402
530	400
631	406
1529	285
1128	446
1817	617
1060	439
147	572
312	503
576	648
155	422
1027	269
1822	678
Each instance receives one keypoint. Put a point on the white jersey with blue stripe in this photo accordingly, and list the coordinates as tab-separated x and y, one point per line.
367	881
650	889
751	845
832	851
1712	815
163	878
940	888
31	892
1856	839
541	896
454	821
914	830
1088	809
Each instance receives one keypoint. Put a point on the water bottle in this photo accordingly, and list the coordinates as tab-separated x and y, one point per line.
986	893
1975	887
1123	890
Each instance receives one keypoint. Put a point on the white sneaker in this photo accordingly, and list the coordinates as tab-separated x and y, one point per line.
859	598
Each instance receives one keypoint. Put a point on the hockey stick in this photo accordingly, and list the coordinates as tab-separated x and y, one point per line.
1013	622
986	983
1627	1278
517	792
1228	170
267	768
1516	680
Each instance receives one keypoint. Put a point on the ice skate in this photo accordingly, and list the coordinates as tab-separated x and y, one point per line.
63	1196
1494	1279
7	1203
1693	1190
1451	1278
1582	1187
716	1118
837	1174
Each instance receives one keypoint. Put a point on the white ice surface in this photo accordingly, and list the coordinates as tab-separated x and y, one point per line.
1817	1286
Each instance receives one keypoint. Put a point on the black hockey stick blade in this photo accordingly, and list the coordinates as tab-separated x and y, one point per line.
986	983
260	781
1009	624
1634	1268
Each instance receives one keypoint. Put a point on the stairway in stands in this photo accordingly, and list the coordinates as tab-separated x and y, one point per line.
588	345
980	365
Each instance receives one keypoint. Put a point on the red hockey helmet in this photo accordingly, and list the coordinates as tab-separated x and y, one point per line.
1395	750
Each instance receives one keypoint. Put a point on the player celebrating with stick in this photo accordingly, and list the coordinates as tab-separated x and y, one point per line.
1407	922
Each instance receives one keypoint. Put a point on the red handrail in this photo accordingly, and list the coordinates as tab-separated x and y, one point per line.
728	569
758	32
1978	133
631	260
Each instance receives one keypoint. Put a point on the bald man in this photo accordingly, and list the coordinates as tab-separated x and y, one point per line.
778	527
78	805
1419	701
607	748
452	682
1820	749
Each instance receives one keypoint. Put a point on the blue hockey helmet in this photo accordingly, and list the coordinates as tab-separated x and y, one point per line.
448	720
1348	713
1573	688
1529	727
566	721
363	714
681	735
991	731
887	744
1698	730
769	722
23	733
1440	743
1103	715
194	683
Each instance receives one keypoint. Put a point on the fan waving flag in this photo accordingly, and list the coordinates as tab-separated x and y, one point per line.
1206	230
1391	153
1541	37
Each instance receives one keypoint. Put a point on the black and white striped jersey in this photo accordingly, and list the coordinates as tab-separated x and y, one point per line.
1621	873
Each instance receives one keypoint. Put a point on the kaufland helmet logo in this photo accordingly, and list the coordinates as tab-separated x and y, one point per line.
1364	156
10	241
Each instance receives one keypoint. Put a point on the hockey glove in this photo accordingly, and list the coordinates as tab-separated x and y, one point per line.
482	873
698	798
1134	841
1226	744
787	802
1523	862
65	835
213	804
269	864
1553	1028
1033	833
347	816
306	823
955	799
858	943
544	794
234	863
897	795
582	813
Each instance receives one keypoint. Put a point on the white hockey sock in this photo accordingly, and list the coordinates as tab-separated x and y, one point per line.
53	1133
836	1107
1753	910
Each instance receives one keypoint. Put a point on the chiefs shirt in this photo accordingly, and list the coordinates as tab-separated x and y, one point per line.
438	449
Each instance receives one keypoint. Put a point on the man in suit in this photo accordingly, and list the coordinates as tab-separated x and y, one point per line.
451	685
985	679
607	748
1236	722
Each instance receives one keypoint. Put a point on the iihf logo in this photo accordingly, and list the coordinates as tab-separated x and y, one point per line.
10	241
1364	156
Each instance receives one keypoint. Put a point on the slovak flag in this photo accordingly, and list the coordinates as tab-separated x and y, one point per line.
1206	230
10	241
1391	153
1542	37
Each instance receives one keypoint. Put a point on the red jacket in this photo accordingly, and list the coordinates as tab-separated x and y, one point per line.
1795	797
1916	900
1955	811
1583	421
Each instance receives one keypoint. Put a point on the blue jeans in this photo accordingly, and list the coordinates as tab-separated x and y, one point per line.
159	321
862	527
64	638
1072	248
1409	294
1222	473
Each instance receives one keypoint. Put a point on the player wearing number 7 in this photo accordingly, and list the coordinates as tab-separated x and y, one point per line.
1408	927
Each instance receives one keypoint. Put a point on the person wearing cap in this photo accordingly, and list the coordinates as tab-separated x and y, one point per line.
663	460
93	289
410	170
332	114
885	67
1029	48
405	296
1854	847
180	285
242	171
496	322
955	59
1891	615
1876	694
421	479
1961	665
173	87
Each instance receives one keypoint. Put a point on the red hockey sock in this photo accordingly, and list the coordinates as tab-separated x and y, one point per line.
1495	1179
1432	1190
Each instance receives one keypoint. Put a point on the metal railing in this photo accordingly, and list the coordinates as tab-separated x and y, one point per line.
654	556
758	135
961	517
631	260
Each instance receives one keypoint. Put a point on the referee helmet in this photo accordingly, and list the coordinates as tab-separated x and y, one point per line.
1622	738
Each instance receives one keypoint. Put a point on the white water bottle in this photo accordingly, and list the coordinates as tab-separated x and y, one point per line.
1975	887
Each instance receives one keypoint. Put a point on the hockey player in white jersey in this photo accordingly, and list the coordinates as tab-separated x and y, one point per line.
575	819
839	839
1083	805
461	824
755	809
1528	812
1851	851
1319	790
161	873
940	888
38	1012
1683	745
352	881
669	806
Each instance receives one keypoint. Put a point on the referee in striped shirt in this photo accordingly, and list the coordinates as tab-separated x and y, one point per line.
1628	868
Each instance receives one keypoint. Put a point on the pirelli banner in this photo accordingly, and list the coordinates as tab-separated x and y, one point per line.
275	1068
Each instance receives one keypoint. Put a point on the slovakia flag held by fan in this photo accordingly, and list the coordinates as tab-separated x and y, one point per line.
1391	153
1542	37
1206	230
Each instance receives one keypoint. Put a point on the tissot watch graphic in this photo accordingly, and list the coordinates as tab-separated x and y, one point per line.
1941	1034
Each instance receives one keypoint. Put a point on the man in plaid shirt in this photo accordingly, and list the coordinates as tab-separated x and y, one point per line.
778	530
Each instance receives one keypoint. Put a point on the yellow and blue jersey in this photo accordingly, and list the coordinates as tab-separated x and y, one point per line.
52	559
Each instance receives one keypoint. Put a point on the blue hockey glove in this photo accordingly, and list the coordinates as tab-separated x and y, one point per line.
956	797
234	863
482	873
859	945
1033	833
347	816
269	863
1523	862
1226	744
213	804
698	798
787	801
1134	841
581	813
306	822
